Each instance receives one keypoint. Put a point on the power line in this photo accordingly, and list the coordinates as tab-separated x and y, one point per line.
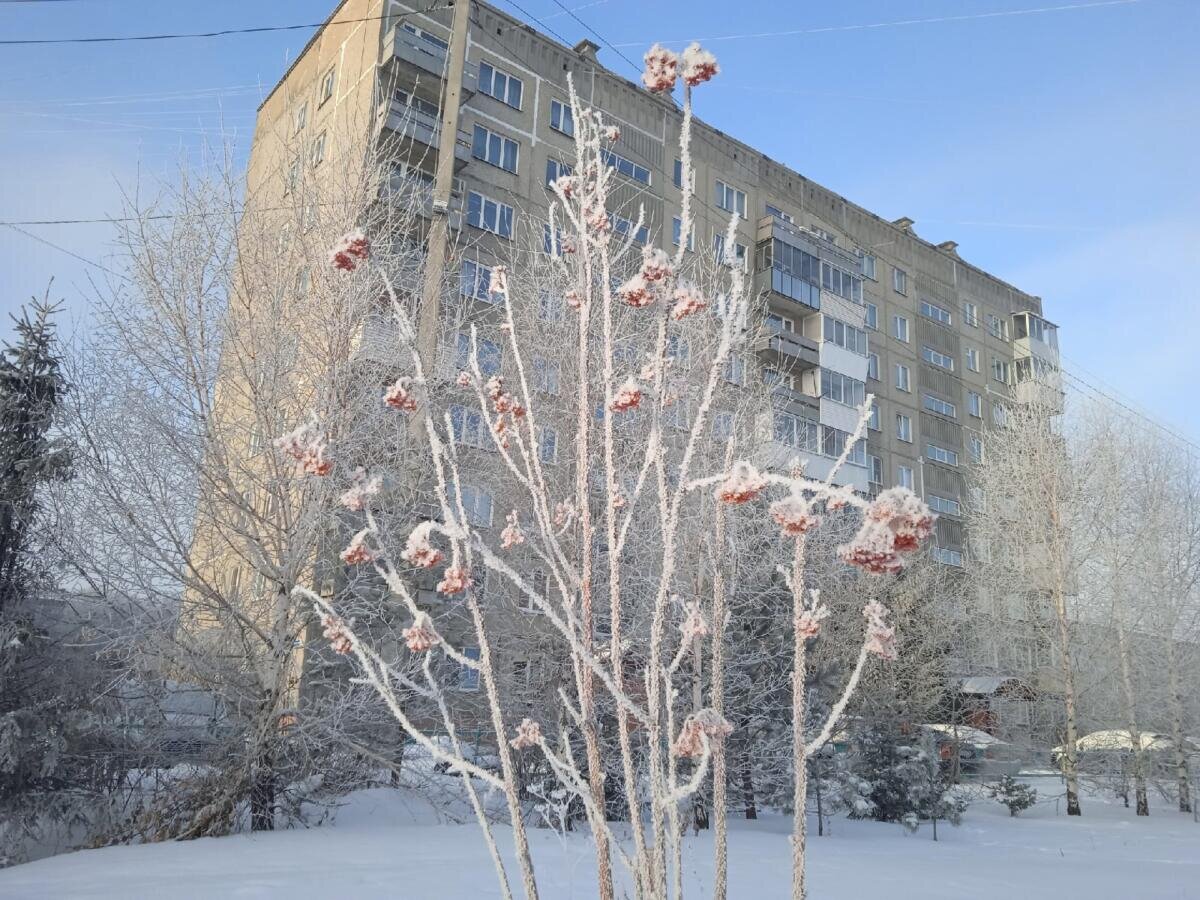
603	39
224	32
82	259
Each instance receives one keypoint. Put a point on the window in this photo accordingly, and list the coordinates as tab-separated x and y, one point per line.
900	328
975	445
303	280
780	214
1000	370
677	176
555	170
941	454
997	327
293	177
902	378
999	414
935	312
944	505
904	476
478	505
676	230
300	119
545	375
948	557
551	240
803	434
899	281
972	359
841	282
779	324
488	351
626	167
494	149
318	150
975	404
489	215
547	445
937	358
868	264
468	677
624	226
327	85
474	279
833	443
937	405
561	117
842	388
551	306
873	420
873	366
404	98
875	469
735	370
872	316
904	428
739	251
846	336
722	426
970	314
731	199
795	273
678	350
469	427
504	87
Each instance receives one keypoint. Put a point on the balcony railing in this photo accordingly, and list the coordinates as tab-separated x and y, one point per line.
416	125
794	348
427	54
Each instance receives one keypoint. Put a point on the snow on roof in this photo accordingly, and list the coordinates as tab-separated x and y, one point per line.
989	684
966	734
1119	739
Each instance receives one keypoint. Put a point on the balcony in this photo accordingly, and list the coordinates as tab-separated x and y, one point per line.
420	131
419	55
406	187
795	403
779	456
792	351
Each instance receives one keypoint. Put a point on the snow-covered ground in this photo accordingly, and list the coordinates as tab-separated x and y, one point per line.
389	844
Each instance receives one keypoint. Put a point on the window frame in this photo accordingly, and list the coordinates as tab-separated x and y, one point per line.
509	80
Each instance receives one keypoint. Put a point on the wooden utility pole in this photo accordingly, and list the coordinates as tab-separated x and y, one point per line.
439	228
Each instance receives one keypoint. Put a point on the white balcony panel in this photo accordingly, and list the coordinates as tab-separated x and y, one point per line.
839	359
839	415
782	457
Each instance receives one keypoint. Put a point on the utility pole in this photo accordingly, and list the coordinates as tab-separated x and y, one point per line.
439	228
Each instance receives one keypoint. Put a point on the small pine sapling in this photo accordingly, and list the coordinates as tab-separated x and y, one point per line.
1016	795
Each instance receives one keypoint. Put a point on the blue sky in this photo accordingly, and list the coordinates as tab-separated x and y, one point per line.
1057	147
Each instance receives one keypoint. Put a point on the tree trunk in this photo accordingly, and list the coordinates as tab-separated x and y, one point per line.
1175	702
799	696
262	793
1138	756
1070	761
748	787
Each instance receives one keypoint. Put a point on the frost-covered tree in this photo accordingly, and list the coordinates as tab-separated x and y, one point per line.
610	550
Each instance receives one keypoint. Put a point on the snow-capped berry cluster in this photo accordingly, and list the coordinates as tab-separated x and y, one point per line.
529	734
564	513
699	65
307	446
612	134
565	185
688	300
696	727
894	525
400	395
656	265
498	281
502	401
350	249
744	483
661	69
881	637
337	632
357	550
572	298
454	581
694	624
418	551
420	637
636	292
794	516
355	497
628	396
808	623
464	379
512	534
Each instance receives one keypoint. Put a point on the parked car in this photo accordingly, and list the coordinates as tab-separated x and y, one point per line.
979	753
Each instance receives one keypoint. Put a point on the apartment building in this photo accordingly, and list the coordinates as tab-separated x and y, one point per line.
855	304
